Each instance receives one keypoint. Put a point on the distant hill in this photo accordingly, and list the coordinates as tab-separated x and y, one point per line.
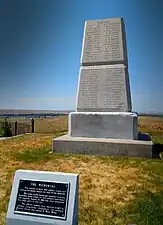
14	111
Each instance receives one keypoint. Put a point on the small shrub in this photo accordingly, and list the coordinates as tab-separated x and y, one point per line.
5	129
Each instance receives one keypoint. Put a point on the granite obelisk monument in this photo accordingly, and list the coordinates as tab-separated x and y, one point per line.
103	123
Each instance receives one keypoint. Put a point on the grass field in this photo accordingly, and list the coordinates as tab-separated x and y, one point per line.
113	190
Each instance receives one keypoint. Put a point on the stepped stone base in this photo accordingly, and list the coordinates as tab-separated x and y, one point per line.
102	146
116	125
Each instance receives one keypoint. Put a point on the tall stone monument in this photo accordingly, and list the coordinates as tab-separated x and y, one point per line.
103	123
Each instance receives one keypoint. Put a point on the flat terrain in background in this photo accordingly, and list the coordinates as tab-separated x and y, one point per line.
152	125
10	111
113	190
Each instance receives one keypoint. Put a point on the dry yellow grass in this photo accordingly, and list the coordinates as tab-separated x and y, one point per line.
108	185
154	124
51	125
113	183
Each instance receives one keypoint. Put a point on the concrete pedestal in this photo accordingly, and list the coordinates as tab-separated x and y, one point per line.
116	125
102	146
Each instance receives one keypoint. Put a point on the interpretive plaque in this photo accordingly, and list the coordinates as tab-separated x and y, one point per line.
103	89
104	42
44	198
49	199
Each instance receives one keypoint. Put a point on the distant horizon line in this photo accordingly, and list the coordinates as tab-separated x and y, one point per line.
60	110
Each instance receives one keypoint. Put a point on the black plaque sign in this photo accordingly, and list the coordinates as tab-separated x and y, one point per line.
42	198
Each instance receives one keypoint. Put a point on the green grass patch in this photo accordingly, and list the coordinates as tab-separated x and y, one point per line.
146	209
157	139
33	155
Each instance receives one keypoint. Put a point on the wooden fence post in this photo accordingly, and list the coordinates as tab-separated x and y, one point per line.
16	127
33	125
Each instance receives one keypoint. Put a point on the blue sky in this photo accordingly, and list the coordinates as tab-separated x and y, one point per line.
40	48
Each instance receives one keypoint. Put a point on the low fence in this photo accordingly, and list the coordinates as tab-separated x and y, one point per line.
19	127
